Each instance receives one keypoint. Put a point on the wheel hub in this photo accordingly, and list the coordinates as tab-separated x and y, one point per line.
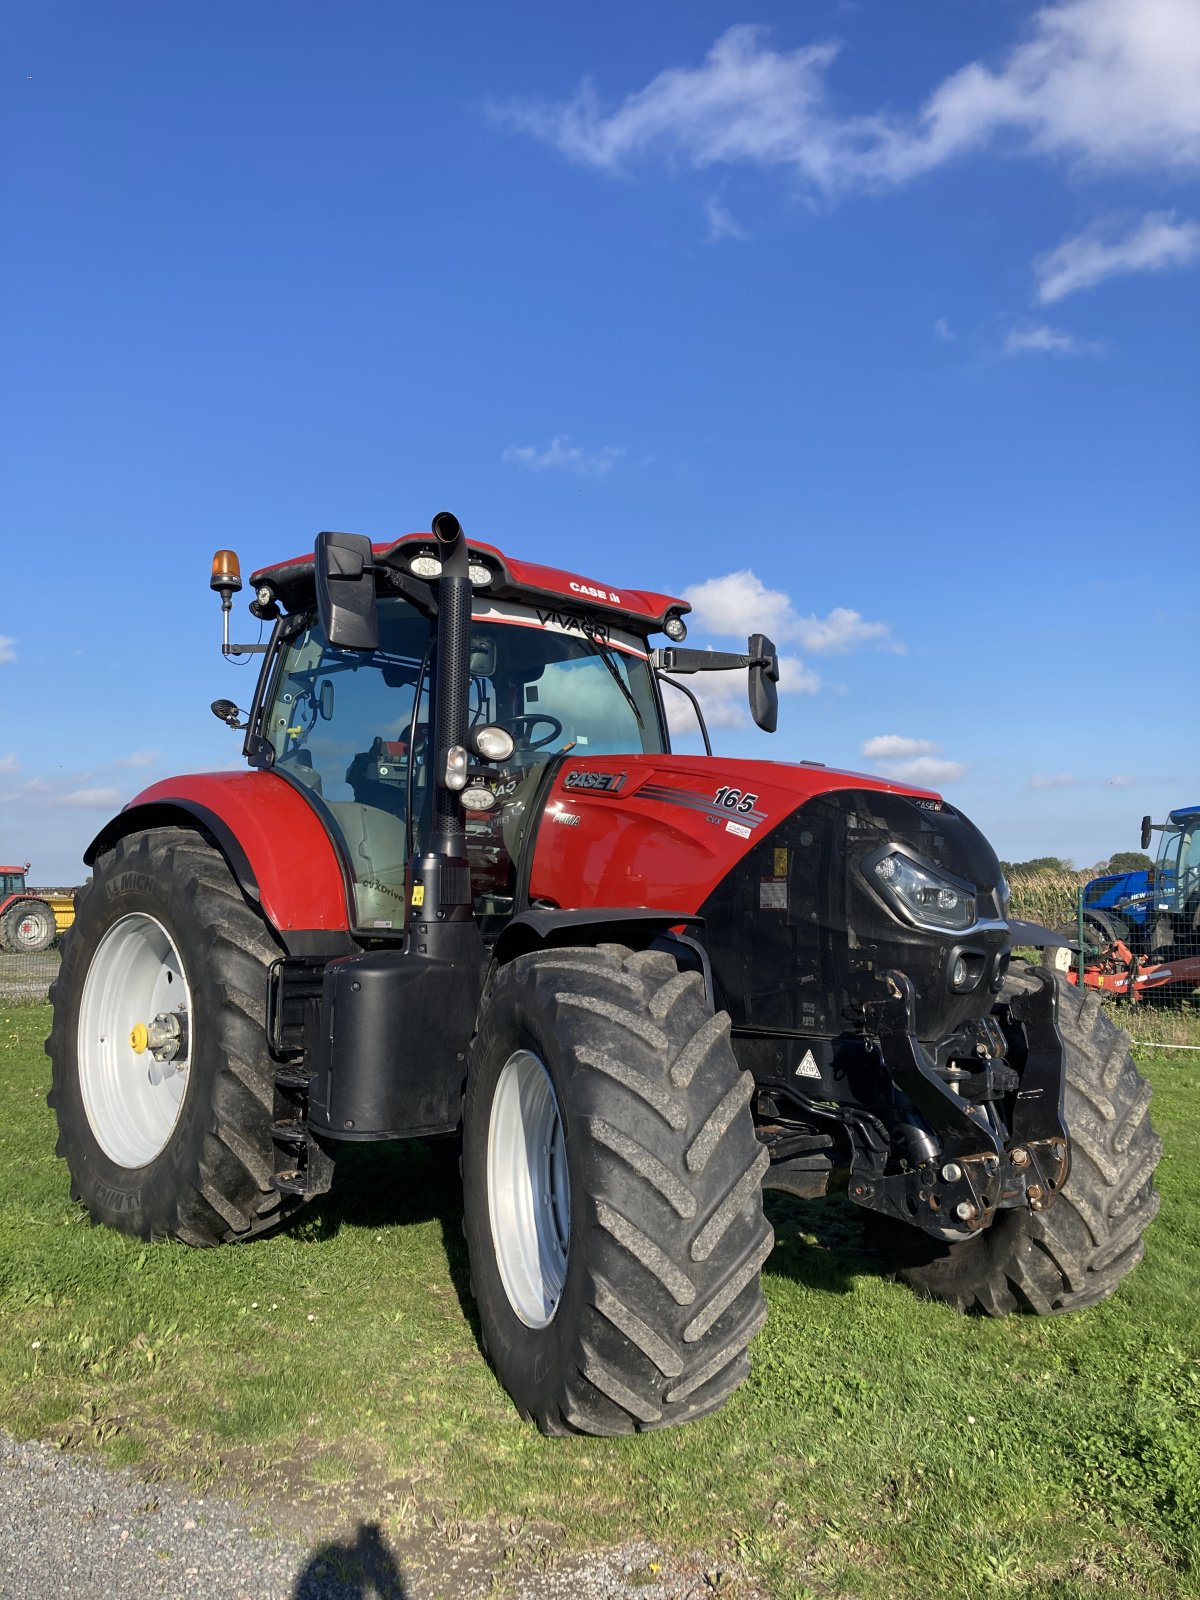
164	1038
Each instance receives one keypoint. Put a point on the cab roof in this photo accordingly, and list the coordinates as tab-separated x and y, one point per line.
641	610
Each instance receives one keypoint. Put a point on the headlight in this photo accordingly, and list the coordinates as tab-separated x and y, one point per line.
922	894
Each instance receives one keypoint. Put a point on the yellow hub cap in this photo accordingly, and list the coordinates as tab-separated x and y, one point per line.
139	1038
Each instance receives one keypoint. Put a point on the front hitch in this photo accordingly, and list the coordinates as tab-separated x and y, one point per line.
957	1166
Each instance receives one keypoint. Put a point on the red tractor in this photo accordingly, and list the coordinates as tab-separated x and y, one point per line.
465	887
27	922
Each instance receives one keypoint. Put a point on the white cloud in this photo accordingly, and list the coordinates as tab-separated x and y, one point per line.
795	677
1155	243
561	453
943	330
1110	83
740	603
1122	780
912	760
1057	780
7	653
86	798
930	770
887	745
1041	339
9	763
722	224
737	604
842	629
138	758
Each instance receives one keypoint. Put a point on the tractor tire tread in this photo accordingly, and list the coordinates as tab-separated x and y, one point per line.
674	1235
228	1195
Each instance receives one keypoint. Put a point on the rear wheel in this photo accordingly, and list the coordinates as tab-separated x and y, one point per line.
1077	1252
29	926
162	1082
612	1190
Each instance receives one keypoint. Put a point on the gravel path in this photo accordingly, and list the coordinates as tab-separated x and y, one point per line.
71	1527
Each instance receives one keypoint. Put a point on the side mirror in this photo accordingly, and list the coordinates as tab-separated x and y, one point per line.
1145	833
764	682
346	591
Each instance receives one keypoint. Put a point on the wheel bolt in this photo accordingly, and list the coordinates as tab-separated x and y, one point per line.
951	1172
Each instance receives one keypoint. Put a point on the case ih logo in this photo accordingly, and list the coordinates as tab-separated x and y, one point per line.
597	782
594	593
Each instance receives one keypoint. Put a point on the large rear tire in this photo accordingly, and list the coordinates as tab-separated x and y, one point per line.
29	926
1079	1251
178	1147
612	1192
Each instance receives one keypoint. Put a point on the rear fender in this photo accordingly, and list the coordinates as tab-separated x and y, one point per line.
276	845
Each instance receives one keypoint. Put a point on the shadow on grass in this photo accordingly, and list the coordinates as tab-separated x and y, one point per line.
819	1243
394	1185
388	1185
365	1567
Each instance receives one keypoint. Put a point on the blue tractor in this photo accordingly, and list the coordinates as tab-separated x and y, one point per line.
1154	913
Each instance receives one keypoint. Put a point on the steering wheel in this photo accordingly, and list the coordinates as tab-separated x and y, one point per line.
520	728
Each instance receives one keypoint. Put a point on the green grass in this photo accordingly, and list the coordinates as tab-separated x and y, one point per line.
883	1447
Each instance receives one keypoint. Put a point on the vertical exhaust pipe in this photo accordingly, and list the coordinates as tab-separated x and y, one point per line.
441	877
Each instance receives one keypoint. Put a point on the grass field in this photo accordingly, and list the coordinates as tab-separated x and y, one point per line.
883	1447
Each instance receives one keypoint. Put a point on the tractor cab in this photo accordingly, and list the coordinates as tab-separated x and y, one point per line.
1176	874
12	880
352	729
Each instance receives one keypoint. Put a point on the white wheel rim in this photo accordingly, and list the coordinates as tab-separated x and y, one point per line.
31	927
132	1100
529	1191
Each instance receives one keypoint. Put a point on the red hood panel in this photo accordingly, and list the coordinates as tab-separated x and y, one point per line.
662	831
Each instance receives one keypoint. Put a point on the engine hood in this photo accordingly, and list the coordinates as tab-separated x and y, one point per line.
777	860
662	831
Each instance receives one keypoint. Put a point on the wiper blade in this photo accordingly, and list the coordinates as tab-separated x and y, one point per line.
614	670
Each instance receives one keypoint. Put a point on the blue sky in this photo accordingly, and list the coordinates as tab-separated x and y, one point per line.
874	324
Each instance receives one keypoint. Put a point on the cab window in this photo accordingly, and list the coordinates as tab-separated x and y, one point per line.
341	725
554	692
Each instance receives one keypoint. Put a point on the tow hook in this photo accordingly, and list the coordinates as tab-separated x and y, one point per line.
165	1037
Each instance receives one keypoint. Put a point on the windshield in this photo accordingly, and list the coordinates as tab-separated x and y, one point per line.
555	689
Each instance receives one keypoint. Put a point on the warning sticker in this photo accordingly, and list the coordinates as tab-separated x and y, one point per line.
418	895
772	895
781	862
808	1067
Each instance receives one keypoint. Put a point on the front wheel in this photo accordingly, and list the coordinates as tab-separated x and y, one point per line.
1078	1251
162	1082
612	1192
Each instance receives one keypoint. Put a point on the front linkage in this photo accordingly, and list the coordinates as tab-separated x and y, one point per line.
954	1178
942	1156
